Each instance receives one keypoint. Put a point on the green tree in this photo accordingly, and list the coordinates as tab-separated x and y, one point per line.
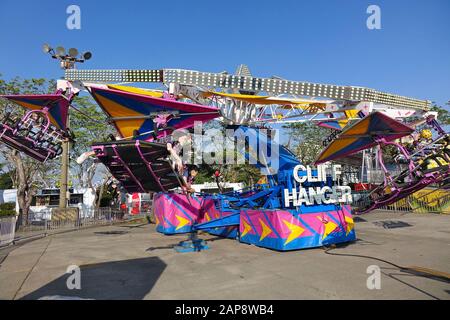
89	124
235	173
443	114
305	140
5	181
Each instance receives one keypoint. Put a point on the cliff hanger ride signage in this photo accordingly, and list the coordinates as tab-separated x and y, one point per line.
318	194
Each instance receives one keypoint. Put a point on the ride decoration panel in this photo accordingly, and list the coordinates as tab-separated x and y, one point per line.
282	230
177	213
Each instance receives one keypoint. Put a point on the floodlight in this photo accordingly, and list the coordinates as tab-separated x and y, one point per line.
73	52
87	55
46	48
60	51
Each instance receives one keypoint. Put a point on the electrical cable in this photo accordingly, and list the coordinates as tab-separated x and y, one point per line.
423	272
86	115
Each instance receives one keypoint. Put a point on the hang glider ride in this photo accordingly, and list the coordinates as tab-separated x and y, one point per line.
40	131
131	109
363	135
379	129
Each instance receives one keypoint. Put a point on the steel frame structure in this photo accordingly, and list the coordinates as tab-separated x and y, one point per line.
191	84
247	83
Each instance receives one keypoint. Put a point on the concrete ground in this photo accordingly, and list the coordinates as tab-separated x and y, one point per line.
136	262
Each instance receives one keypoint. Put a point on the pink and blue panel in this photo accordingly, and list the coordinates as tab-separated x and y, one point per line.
177	213
282	230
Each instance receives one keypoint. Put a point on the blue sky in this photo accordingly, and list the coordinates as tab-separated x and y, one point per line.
318	41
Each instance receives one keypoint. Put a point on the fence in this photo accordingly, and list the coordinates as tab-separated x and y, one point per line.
69	219
7	228
428	200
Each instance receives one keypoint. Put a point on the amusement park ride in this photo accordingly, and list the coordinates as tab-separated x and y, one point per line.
299	206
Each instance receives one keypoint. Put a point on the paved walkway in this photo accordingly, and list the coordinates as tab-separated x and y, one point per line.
136	262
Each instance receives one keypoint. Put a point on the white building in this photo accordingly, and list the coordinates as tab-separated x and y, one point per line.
9	196
211	187
46	199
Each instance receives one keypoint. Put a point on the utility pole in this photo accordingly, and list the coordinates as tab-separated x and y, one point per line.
64	174
67	61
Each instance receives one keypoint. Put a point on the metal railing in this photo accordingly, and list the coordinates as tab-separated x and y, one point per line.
425	201
69	221
7	227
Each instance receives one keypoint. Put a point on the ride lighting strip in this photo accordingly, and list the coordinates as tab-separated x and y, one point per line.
114	75
229	81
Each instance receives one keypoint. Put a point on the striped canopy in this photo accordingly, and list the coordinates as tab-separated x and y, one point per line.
131	111
145	92
362	135
57	105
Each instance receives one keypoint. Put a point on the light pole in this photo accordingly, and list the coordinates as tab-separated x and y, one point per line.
67	61
64	174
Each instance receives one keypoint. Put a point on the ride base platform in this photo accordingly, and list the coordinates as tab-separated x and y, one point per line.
282	230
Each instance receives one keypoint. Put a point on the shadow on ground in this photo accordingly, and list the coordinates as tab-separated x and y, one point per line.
172	246
127	279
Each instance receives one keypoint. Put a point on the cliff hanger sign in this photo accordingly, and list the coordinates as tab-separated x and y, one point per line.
317	195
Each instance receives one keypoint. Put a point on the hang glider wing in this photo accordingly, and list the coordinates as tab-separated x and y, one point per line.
267	100
57	105
131	111
151	93
339	123
362	135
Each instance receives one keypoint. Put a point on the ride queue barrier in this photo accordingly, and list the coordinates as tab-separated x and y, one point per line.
55	220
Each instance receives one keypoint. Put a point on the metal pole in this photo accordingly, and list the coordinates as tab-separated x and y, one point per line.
99	201
362	166
64	174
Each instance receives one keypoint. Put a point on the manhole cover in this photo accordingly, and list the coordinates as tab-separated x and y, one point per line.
111	232
391	224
